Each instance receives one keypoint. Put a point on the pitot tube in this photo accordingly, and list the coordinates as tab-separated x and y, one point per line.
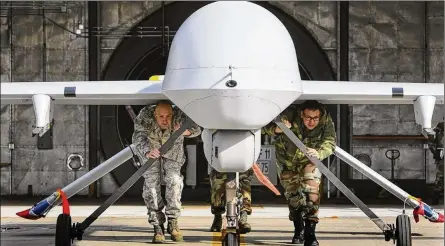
40	209
427	212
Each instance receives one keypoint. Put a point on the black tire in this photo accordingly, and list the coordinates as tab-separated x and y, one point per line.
63	230
231	239
403	230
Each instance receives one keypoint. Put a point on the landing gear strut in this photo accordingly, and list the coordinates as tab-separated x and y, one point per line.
232	235
231	239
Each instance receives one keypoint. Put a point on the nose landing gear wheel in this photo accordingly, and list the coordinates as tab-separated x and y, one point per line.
231	239
63	230
403	230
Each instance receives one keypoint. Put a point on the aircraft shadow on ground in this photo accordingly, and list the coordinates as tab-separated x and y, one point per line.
48	230
149	229
290	230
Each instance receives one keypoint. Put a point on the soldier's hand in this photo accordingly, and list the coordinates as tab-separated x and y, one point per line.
186	133
153	154
287	123
177	126
312	153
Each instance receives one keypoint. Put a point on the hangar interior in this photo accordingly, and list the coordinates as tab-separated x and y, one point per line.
86	40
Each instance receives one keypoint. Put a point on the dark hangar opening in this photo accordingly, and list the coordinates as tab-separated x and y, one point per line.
139	58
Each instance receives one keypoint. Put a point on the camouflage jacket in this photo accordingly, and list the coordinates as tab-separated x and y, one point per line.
435	142
322	138
148	135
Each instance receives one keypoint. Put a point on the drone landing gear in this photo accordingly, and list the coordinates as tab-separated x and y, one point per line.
63	230
231	239
402	232
65	233
232	235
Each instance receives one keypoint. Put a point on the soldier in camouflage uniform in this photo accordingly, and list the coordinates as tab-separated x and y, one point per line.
435	144
299	177
218	200
153	127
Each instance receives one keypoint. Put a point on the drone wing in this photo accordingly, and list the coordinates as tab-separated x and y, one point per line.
128	92
348	92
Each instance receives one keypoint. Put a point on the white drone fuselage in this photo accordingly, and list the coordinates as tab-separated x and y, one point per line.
228	87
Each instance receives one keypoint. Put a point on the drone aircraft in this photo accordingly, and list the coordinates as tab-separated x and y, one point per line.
219	74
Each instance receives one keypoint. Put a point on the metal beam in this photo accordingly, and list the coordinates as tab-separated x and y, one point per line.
94	75
345	125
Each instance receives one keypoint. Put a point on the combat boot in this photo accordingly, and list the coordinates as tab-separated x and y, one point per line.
159	234
309	233
174	231
299	230
244	227
217	223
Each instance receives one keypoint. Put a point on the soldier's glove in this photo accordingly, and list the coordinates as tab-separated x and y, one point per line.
313	153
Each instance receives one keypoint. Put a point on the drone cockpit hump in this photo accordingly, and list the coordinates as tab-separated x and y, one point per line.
222	76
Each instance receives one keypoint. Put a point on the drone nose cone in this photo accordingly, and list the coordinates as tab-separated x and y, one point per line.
244	85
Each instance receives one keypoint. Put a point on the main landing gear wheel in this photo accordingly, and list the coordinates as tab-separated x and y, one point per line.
231	239
63	230
403	230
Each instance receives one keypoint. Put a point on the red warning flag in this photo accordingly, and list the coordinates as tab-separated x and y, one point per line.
264	180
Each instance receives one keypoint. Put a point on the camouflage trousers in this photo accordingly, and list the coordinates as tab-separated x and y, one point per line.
438	184
301	189
151	191
218	190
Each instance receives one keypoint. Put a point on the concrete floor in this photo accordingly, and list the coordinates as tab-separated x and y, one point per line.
127	225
